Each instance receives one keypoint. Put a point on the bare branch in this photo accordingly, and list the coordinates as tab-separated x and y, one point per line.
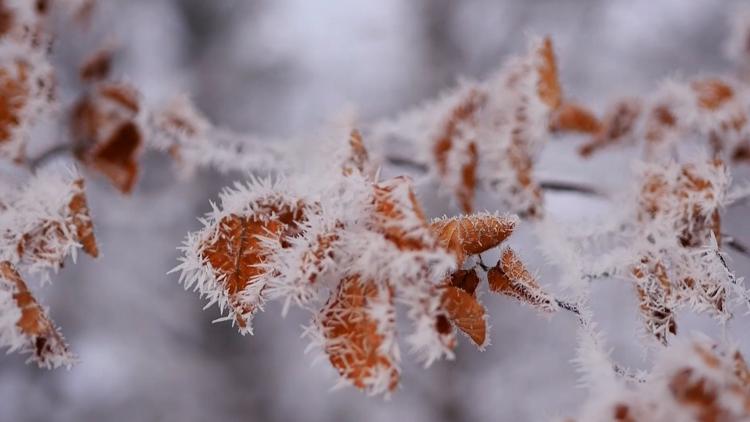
49	154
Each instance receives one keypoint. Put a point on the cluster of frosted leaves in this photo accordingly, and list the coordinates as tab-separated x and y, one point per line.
691	381
27	79
25	325
41	224
351	248
109	123
487	135
44	221
713	112
677	231
111	126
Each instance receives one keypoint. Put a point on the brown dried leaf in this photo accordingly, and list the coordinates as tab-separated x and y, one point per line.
653	194
473	234
84	227
549	84
98	66
7	19
41	243
358	159
521	157
466	280
85	11
741	370
742	152
661	120
696	392
42	6
465	191
399	216
697	226
14	93
313	260
355	345
117	156
511	278
618	124
654	288
466	313
463	114
712	93
44	340
572	117
107	135
236	251
715	389
120	94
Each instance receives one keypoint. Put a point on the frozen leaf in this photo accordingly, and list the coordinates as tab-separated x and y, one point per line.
742	152
456	144
31	331
466	313
107	136
14	97
45	221
572	117
661	121
400	216
465	192
16	107
617	126
7	19
473	234
358	159
466	280
98	66
511	278
358	324
654	289
79	212
549	84
712	93
461	118
237	249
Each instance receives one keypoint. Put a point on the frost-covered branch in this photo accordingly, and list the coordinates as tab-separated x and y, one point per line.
487	135
348	247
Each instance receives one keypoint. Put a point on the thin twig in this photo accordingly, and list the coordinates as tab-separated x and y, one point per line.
627	374
570	307
548	185
557	186
57	150
736	245
406	162
482	265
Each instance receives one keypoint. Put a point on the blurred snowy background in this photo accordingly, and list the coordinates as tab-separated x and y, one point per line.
284	67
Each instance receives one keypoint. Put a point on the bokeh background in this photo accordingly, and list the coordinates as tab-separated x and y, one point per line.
282	68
